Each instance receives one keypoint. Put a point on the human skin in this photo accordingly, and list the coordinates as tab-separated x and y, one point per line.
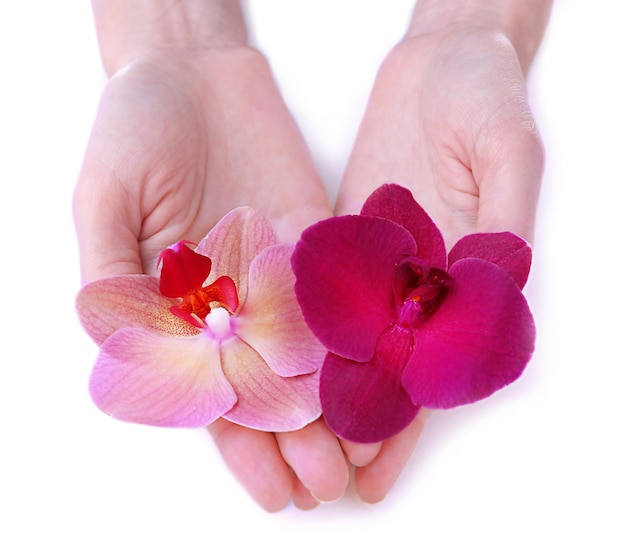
448	117
191	125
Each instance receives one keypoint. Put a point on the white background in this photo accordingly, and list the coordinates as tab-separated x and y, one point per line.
538	469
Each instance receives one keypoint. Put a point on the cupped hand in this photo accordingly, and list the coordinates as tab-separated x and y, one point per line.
448	117
177	143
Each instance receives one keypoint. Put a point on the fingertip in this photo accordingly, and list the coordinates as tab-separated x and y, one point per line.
360	454
316	457
374	481
368	490
302	498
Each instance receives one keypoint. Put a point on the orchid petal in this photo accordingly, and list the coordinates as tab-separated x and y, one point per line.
182	270
344	268
505	249
109	304
157	380
365	402
479	340
234	242
265	400
224	292
397	203
271	321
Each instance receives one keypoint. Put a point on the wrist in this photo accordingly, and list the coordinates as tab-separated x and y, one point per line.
522	22
153	28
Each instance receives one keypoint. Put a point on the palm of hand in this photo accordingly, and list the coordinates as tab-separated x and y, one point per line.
175	147
448	118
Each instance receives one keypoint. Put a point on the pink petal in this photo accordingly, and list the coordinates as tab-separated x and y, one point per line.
159	380
396	203
366	402
479	340
265	400
505	249
271	320
234	242
344	268
109	304
182	270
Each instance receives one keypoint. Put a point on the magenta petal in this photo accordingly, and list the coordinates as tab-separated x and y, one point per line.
366	402
344	268
479	340
396	203
182	270
505	249
160	380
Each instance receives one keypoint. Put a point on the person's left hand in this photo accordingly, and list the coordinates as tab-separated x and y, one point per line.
448	118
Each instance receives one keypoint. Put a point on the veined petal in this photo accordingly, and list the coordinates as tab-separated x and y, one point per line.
344	268
479	340
160	380
109	304
234	242
505	249
366	402
271	320
397	203
265	400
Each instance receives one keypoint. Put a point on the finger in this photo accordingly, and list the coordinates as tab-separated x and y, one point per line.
107	227
106	245
509	194
374	481
509	169
315	455
360	454
255	460
302	497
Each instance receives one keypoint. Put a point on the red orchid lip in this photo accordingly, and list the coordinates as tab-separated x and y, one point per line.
364	282
183	274
182	269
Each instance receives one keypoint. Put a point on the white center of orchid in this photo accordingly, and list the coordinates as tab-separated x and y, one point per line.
219	324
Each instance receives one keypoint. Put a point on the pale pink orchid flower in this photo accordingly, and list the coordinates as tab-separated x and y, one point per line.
218	334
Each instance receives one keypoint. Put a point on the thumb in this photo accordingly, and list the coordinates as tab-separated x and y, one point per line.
107	224
510	178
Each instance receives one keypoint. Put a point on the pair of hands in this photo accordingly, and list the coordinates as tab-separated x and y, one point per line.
178	142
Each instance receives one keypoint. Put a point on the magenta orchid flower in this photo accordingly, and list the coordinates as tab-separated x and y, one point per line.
219	334
405	324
